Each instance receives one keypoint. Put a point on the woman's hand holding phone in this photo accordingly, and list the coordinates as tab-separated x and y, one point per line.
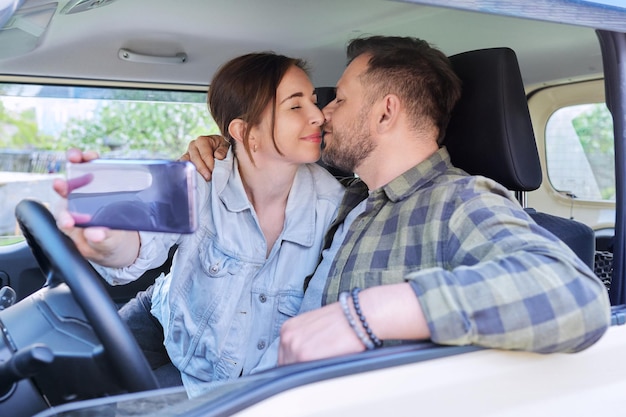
107	247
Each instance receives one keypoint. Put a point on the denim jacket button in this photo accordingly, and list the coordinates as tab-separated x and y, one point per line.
261	345
262	298
214	269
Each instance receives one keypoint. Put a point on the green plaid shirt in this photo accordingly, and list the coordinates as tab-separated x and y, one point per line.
483	271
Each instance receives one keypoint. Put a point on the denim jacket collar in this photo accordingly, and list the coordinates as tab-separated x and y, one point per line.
300	213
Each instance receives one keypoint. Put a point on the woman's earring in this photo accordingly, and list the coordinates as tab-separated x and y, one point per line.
254	147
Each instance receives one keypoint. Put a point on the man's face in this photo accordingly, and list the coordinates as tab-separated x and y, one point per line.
346	131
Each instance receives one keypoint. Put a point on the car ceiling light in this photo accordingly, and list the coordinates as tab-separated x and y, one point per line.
33	21
77	6
23	30
7	8
128	55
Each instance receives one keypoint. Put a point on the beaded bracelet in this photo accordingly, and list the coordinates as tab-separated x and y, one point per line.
357	307
343	300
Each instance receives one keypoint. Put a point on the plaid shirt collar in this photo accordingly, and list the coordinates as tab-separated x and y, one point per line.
415	178
397	190
400	187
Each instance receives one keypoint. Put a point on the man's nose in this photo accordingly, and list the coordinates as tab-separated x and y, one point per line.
328	111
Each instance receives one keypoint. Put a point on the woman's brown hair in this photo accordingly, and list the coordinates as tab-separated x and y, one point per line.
244	86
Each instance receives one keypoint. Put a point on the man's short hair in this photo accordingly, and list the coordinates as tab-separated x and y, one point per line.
418	73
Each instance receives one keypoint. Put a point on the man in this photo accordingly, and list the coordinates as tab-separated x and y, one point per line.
439	254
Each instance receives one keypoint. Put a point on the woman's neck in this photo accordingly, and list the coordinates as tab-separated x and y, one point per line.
267	186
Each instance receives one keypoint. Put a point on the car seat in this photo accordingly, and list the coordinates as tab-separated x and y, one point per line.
490	134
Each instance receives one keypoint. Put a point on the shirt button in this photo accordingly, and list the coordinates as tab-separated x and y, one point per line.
262	298
214	269
261	345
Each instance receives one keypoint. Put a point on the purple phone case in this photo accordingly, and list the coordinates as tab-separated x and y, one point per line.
134	194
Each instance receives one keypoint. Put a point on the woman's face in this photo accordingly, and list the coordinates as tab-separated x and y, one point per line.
297	125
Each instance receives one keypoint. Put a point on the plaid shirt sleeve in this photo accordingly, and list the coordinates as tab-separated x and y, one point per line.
510	284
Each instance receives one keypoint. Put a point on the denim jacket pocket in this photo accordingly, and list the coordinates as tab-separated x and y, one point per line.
199	298
288	307
216	264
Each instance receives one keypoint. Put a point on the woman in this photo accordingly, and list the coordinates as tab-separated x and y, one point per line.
262	222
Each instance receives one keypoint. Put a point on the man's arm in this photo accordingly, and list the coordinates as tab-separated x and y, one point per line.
203	151
525	291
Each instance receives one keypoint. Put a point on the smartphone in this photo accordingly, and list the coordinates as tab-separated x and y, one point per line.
134	194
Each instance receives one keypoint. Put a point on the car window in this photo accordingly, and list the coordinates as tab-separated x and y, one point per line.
579	152
38	123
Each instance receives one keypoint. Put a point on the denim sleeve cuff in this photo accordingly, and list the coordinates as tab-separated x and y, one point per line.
153	252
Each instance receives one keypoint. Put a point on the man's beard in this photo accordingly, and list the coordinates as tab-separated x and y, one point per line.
349	147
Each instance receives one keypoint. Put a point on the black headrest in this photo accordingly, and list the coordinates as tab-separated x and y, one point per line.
324	96
490	132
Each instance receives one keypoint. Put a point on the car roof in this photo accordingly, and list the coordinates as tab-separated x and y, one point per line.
86	44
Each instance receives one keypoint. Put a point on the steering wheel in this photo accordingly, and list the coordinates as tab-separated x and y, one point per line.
60	260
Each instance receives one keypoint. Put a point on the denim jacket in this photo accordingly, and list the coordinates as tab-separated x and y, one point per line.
224	301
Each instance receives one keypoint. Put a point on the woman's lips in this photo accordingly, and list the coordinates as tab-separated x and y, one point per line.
316	138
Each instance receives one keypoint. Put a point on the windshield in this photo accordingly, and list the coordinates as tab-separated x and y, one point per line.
38	123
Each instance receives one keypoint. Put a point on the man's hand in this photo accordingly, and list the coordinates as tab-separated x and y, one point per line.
317	334
113	248
393	312
203	151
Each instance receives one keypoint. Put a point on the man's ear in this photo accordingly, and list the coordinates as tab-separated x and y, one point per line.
387	111
237	129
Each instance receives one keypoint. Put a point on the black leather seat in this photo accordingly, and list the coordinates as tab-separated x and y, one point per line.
490	134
